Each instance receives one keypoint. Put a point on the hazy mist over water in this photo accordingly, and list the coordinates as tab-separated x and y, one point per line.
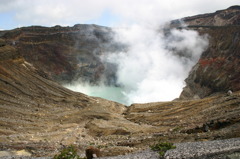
152	68
108	92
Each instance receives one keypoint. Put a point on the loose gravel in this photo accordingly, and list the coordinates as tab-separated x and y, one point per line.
140	155
218	149
205	149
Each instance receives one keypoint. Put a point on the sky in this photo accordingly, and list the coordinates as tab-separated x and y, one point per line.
18	13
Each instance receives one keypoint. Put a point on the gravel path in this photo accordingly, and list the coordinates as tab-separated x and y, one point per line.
218	149
147	154
197	150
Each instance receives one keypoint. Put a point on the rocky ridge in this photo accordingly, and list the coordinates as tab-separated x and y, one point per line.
65	54
218	68
41	117
226	17
68	54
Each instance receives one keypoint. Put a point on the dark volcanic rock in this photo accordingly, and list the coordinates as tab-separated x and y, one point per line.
218	69
230	16
64	53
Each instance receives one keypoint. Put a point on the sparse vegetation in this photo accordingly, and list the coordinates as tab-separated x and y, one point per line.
69	152
162	147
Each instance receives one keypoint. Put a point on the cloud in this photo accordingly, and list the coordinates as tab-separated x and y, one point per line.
54	12
8	5
62	12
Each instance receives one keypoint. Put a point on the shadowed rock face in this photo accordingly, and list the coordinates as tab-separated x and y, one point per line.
218	69
64	53
41	116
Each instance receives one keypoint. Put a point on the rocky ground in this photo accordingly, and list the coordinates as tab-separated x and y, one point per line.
217	149
39	117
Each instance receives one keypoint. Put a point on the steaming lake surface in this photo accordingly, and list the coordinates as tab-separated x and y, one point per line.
107	92
152	69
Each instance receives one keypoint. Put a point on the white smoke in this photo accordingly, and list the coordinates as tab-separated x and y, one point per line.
154	66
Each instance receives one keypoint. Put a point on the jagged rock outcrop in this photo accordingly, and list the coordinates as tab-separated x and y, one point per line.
218	69
226	17
65	53
230	16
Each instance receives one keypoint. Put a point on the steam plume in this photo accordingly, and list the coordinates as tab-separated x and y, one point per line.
153	66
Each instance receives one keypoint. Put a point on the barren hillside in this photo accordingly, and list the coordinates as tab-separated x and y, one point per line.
41	116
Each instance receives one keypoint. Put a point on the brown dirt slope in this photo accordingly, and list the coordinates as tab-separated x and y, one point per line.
35	109
40	116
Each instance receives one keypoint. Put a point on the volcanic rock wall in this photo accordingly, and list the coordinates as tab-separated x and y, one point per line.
64	53
39	115
218	69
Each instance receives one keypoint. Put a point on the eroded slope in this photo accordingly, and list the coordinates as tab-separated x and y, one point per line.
41	116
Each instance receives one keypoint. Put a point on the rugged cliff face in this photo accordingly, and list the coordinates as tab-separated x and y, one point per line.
41	116
65	53
218	69
225	17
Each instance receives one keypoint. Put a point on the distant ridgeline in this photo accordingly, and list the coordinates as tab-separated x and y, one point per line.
41	117
68	54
